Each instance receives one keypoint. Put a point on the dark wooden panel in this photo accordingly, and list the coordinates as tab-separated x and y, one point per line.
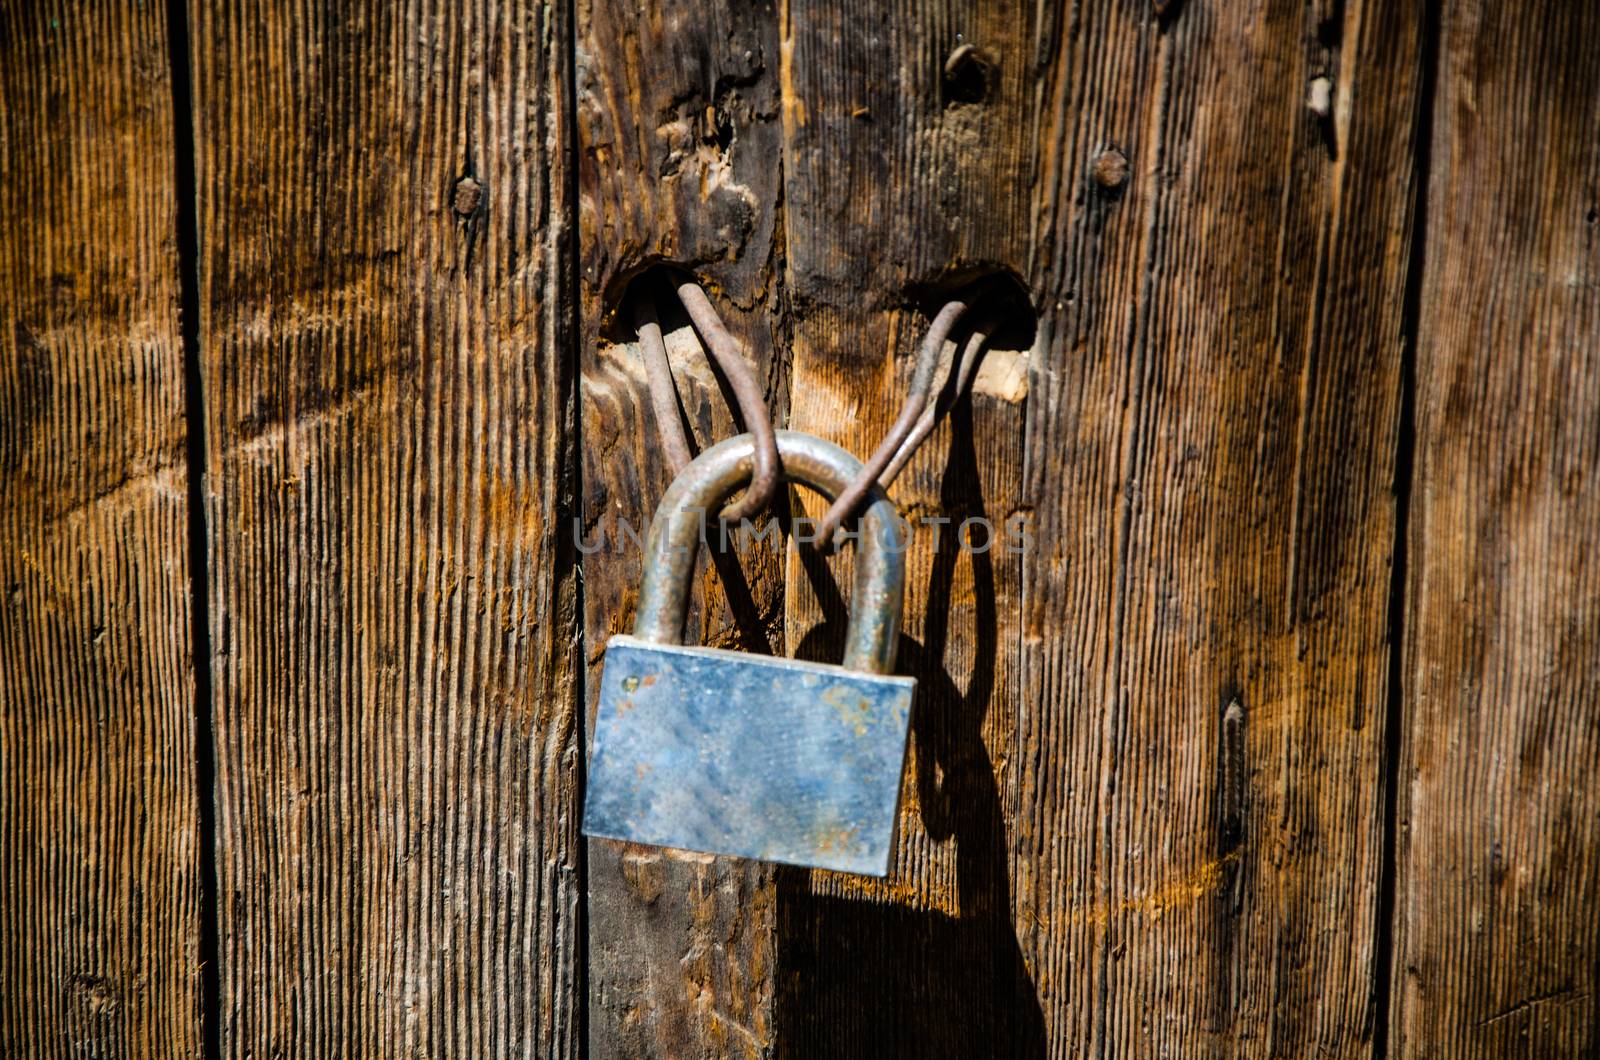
679	162
1207	629
100	954
1497	943
1154	819
386	294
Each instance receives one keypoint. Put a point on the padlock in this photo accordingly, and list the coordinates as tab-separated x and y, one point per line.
759	757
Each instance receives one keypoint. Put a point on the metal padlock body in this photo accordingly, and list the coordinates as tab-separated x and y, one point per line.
758	757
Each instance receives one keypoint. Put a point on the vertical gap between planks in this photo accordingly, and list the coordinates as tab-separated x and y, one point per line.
568	560
1404	474
183	151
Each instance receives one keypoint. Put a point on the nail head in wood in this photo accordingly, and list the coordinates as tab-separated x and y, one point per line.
1110	169
468	197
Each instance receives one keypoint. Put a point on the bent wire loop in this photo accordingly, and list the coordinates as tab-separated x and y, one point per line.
934	374
920	412
747	392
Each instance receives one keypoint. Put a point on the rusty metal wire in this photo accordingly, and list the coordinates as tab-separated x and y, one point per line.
663	392
918	415
747	392
971	353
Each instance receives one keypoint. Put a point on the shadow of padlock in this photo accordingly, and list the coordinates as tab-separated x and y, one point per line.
749	755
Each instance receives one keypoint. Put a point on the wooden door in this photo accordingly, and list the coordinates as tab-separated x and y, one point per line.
1271	737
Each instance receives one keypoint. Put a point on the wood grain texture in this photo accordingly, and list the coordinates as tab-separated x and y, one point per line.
1145	804
99	887
386	305
1206	631
900	193
1162	730
1497	945
679	165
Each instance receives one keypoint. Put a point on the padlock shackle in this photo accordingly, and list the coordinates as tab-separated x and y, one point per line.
880	576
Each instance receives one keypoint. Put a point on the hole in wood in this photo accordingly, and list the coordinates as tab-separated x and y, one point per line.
656	276
991	290
694	386
997	298
968	77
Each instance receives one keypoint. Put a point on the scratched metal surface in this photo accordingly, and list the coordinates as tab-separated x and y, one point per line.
758	757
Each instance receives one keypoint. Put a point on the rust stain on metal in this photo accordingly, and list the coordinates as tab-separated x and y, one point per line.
837	837
853	708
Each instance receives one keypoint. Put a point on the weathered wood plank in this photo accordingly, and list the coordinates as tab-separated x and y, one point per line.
1178	751
99	920
1497	945
679	162
903	185
1229	384
386	297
